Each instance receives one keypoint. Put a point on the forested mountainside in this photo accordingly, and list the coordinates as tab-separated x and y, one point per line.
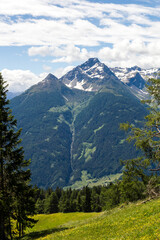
69	132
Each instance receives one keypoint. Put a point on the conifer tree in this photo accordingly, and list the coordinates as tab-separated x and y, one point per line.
51	203
95	200
16	195
147	138
86	199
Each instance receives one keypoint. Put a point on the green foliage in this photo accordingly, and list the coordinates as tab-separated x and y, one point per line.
16	194
110	196
84	200
93	199
46	118
153	187
96	205
87	179
51	204
147	139
98	145
39	206
131	191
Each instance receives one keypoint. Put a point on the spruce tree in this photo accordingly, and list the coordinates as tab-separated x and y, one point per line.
51	203
95	200
16	194
86	199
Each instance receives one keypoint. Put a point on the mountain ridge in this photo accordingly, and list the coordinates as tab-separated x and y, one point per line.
89	76
123	74
70	132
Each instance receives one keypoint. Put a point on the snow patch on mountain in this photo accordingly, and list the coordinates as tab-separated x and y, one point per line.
124	74
95	71
136	78
90	76
75	84
94	75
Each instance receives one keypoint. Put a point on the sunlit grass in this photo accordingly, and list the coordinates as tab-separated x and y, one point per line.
87	180
134	221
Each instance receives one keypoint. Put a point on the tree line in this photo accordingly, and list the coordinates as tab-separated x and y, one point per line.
98	198
95	199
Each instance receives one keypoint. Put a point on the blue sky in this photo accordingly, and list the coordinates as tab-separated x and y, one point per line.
42	36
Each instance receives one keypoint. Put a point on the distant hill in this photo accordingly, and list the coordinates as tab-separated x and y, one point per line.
71	125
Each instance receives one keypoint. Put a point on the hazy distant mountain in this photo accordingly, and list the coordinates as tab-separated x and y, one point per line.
11	95
136	78
125	73
137	81
67	131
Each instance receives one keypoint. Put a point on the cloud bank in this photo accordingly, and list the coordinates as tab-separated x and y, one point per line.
20	80
73	30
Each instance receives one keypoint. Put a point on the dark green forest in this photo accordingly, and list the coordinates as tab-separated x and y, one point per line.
68	131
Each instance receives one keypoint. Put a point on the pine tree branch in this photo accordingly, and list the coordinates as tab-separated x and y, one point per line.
154	170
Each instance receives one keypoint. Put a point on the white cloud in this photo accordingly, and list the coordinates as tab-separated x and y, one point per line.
62	71
130	53
20	80
123	53
65	30
69	53
47	68
42	51
75	22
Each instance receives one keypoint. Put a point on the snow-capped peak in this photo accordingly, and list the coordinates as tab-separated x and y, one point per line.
126	73
90	76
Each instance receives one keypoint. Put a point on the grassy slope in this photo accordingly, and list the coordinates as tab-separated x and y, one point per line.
135	221
87	180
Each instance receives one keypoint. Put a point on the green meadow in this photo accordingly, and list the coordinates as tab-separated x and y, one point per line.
128	222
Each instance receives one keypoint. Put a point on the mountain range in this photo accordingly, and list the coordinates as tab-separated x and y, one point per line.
71	125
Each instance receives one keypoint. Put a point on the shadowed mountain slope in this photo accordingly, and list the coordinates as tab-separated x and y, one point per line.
67	131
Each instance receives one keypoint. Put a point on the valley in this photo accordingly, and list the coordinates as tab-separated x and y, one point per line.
68	131
80	120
